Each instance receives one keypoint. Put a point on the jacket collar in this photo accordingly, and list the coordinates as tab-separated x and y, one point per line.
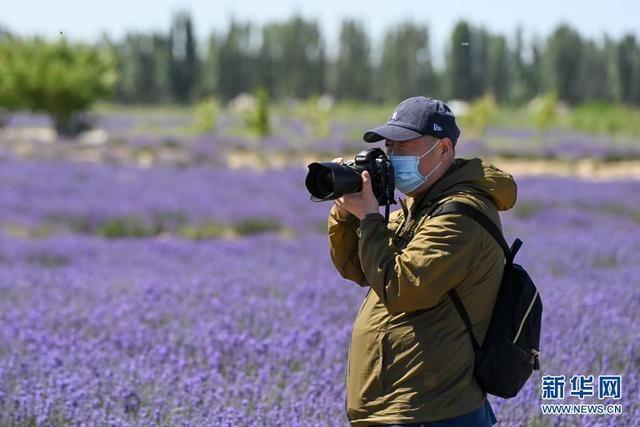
469	176
426	198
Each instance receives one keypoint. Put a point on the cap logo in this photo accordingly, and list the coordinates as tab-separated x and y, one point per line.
437	127
394	116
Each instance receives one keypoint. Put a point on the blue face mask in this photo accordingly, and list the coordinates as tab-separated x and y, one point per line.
406	172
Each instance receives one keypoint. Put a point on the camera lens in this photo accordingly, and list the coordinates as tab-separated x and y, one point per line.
328	181
325	181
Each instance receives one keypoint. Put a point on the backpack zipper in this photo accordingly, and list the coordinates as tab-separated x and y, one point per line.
535	359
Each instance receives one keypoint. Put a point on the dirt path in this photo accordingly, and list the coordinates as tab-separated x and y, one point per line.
585	168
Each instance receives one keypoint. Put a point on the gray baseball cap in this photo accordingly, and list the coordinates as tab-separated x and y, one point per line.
415	117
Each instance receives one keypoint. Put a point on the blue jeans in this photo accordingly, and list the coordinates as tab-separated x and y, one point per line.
481	417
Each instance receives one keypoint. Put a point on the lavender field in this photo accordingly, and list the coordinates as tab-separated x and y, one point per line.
191	293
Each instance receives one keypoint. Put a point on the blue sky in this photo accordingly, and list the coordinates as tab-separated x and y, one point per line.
84	19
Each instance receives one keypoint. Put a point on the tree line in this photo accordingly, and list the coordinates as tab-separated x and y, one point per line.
289	59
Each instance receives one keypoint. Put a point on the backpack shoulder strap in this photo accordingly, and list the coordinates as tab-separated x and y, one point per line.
480	218
457	302
494	231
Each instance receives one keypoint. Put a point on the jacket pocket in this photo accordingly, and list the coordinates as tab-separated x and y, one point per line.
366	353
365	368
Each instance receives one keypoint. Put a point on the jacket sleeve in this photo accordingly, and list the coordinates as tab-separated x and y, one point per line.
343	246
436	260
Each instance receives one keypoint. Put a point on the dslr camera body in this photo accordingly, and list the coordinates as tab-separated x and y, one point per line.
329	180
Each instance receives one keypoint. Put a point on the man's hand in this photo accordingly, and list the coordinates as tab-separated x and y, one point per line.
360	204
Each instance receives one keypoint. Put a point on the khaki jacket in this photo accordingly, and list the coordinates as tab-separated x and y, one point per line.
410	358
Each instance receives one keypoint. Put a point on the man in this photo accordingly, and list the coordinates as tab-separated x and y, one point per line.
411	358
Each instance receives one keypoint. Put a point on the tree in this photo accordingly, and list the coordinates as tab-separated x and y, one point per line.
183	69
533	77
459	78
468	62
293	59
59	78
236	61
525	70
628	70
498	78
269	57
405	68
207	76
4	33
161	61
596	73
519	88
143	61
353	77
564	52
479	49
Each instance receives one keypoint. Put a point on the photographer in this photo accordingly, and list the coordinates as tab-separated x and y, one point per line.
411	360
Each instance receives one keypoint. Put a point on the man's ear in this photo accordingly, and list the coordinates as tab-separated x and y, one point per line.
447	148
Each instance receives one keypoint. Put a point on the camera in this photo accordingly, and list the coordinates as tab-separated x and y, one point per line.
329	180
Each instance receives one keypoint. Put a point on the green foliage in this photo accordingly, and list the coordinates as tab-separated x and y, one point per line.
288	58
159	67
183	66
262	112
405	68
353	65
362	112
546	111
498	68
459	62
143	68
133	226
564	58
292	59
4	32
48	260
480	113
206	114
608	119
513	117
524	76
605	261
257	119
524	210
597	78
208	230
125	227
235	72
208	69
256	225
627	67
56	78
476	63
317	116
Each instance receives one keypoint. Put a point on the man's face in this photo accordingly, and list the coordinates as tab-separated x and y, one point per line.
418	147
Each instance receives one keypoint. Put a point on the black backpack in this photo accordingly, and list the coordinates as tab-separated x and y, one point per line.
509	352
